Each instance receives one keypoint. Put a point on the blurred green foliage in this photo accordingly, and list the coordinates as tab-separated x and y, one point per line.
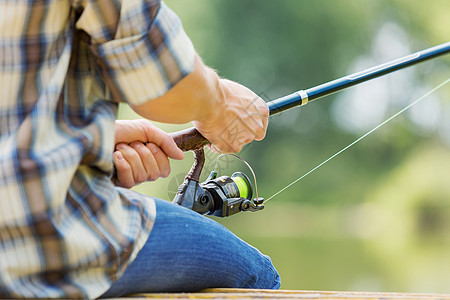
376	218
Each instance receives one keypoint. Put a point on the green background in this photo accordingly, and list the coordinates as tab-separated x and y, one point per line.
377	217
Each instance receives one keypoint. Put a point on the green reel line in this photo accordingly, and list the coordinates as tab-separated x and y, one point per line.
243	184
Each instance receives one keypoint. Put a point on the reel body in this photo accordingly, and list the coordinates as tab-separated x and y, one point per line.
218	196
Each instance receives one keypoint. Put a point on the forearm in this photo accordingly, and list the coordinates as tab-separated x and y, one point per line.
226	113
194	98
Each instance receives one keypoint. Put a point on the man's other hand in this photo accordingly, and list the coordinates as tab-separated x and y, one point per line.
142	152
239	117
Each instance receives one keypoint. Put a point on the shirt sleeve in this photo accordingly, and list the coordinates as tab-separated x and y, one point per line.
140	46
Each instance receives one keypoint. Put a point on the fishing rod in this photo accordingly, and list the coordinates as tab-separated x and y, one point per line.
303	97
224	196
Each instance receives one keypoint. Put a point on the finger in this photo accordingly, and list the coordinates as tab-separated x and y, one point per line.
133	158
259	123
124	174
259	130
161	159
148	161
165	142
246	139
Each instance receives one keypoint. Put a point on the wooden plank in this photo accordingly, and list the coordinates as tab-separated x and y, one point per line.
285	294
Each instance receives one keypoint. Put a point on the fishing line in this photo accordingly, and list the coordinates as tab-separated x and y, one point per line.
360	138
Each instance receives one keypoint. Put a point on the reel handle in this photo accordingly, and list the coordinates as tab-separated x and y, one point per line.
189	139
192	140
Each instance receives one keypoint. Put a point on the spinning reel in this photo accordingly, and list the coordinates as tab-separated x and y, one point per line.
218	196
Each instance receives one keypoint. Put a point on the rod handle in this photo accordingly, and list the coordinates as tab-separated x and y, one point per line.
189	139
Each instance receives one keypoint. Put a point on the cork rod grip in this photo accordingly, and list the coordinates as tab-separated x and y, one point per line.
189	139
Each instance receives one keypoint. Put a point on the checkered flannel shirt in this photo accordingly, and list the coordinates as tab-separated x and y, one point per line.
65	230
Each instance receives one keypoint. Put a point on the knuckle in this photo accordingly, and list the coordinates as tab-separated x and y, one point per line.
165	173
139	148
260	134
153	148
135	144
140	178
121	146
154	175
123	166
129	152
245	139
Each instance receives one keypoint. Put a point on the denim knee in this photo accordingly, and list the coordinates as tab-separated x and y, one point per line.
273	280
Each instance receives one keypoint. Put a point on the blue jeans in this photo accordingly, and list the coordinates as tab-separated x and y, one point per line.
189	252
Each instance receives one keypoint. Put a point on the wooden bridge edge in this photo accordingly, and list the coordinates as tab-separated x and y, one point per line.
225	293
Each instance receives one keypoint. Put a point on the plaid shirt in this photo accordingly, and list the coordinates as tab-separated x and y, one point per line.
65	229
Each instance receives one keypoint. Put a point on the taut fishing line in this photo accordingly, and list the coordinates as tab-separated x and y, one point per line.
360	138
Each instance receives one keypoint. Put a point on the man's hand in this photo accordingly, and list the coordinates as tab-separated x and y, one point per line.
239	117
142	152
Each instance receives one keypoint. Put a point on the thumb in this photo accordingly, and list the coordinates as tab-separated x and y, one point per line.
164	141
171	149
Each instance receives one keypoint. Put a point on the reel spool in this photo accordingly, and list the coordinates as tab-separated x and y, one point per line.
236	186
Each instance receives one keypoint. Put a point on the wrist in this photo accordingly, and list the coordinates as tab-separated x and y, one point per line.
213	99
